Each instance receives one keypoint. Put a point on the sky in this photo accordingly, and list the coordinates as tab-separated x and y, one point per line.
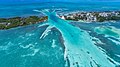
36	1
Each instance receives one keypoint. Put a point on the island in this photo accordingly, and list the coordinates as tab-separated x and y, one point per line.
7	23
92	16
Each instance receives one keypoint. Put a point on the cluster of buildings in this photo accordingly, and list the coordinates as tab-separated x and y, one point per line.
93	16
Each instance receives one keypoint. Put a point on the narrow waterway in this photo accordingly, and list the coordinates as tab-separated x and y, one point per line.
79	48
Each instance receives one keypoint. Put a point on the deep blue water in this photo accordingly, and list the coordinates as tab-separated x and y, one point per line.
60	43
8	10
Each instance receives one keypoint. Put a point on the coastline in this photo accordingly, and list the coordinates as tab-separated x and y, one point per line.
92	16
79	16
7	23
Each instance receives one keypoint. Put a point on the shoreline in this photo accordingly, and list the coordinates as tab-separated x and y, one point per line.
79	16
7	23
92	16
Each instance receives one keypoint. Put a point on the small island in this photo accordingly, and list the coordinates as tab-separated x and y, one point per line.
7	23
93	16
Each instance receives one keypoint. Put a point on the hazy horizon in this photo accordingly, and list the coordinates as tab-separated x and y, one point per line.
40	1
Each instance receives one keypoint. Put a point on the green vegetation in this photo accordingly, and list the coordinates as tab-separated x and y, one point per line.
7	23
94	16
102	19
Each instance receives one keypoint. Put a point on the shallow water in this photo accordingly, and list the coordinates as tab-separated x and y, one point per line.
59	43
79	47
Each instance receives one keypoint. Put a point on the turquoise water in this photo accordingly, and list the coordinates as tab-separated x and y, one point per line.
59	43
27	9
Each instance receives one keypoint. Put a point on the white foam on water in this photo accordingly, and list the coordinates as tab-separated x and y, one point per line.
43	24
117	42
35	51
79	48
97	41
27	46
113	32
45	33
53	43
117	55
30	34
